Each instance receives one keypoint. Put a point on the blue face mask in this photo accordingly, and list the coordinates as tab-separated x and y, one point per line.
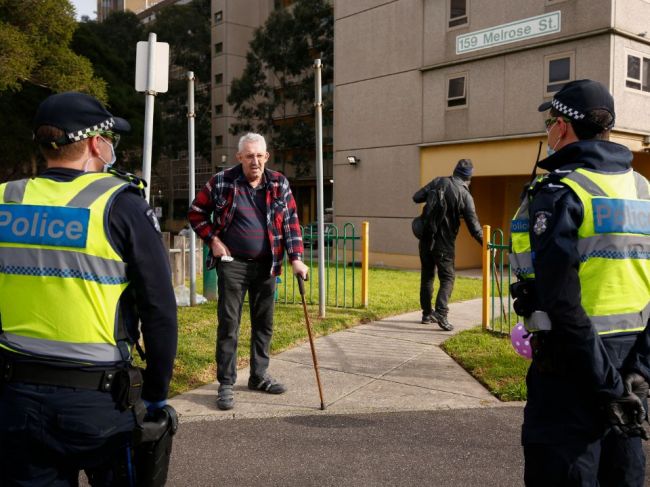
549	151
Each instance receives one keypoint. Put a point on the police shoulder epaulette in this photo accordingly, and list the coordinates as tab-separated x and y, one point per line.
135	181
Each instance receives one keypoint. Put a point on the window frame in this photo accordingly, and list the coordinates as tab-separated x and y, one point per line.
218	109
218	78
218	50
642	57
218	140
448	79
449	19
218	17
571	55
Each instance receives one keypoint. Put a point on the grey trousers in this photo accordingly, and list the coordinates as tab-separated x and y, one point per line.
234	280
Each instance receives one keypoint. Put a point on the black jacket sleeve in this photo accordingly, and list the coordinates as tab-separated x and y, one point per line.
471	220
138	240
555	215
420	195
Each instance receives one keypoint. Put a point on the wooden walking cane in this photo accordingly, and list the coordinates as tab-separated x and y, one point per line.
301	288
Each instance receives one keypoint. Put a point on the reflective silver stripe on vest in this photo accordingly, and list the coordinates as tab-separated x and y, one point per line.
61	263
637	321
15	191
91	353
609	246
94	190
521	263
641	187
585	183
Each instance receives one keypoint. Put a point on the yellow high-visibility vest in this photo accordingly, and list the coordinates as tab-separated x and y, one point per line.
614	248
60	277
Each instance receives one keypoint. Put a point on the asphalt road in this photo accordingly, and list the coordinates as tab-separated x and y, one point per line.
434	448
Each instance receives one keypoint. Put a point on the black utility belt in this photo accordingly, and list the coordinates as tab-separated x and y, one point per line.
43	374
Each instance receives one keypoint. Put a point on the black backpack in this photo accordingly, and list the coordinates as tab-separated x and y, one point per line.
433	213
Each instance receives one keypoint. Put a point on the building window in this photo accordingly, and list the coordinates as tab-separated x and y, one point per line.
558	71
218	109
457	12
218	140
218	17
457	91
638	73
218	78
218	47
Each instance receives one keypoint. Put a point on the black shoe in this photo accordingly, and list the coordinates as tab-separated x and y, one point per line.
427	319
225	397
442	321
267	384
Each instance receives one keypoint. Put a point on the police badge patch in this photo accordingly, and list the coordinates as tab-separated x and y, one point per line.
541	222
151	216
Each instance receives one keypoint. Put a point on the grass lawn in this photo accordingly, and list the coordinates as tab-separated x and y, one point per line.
391	292
490	358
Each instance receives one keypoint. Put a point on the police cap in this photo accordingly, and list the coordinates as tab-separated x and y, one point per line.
79	115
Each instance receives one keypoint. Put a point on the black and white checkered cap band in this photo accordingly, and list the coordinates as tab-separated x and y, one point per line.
568	111
85	133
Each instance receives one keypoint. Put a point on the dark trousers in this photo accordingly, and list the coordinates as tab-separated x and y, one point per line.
431	261
48	434
608	462
234	280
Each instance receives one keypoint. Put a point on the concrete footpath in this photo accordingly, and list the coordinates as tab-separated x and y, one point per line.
394	364
399	412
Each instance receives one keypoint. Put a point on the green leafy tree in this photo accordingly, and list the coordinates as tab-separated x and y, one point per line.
111	47
275	93
187	30
35	60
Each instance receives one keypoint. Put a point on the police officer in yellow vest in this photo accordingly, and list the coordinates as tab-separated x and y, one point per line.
81	263
581	245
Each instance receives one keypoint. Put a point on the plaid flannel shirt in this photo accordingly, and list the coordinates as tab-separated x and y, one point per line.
213	209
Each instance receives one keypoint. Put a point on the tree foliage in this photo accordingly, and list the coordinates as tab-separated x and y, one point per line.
34	48
111	47
35	61
275	93
187	30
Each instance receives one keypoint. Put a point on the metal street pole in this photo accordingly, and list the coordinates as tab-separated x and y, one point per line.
190	151
148	114
319	189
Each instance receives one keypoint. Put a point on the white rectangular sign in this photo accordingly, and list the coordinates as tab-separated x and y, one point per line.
161	67
519	30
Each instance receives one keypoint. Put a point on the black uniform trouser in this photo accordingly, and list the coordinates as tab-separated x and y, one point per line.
234	280
608	462
443	262
48	434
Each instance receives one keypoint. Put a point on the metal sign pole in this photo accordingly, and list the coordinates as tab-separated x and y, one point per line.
319	189
190	152
148	114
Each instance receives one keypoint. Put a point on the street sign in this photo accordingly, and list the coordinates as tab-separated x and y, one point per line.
160	67
519	30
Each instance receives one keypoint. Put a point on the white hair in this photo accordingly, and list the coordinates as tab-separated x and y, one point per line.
251	137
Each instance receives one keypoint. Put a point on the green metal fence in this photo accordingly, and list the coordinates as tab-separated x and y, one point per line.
342	270
502	317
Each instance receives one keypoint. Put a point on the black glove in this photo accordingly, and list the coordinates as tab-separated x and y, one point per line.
625	415
525	297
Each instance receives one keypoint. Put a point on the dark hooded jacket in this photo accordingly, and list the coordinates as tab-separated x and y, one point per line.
566	402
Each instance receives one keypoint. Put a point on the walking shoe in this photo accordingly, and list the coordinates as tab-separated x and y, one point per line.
267	384
225	397
427	318
442	321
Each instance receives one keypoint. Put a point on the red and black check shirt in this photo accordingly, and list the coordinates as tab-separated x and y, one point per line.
213	209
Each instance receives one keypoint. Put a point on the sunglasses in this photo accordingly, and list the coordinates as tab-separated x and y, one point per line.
549	122
111	136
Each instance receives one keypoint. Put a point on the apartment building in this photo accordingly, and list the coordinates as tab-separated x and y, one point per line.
420	84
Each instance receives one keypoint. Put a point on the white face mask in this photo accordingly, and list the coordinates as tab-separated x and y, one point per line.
109	164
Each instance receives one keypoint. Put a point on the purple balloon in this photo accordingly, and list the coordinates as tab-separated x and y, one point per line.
520	338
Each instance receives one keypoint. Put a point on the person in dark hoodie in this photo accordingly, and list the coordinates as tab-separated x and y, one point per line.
437	246
581	247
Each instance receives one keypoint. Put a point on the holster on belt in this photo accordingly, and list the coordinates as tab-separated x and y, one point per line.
153	447
127	387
